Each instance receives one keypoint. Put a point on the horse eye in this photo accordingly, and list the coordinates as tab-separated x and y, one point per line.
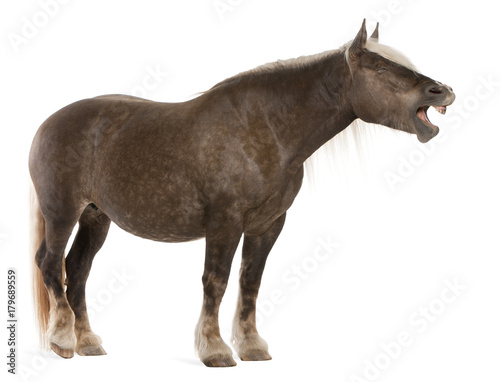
382	70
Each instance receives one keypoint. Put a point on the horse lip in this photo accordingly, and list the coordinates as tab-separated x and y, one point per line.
424	138
440	104
424	131
446	98
450	98
421	114
447	101
424	128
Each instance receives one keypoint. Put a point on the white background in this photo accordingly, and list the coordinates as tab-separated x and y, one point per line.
325	315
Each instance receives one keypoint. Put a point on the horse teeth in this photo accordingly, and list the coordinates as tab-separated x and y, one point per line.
440	109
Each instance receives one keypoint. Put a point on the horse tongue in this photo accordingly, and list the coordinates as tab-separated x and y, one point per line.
440	109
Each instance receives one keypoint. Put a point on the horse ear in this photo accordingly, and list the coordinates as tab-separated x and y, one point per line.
359	42
374	35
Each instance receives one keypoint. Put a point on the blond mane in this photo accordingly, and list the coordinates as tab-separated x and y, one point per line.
352	145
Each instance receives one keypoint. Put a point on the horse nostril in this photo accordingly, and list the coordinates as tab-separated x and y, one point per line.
436	90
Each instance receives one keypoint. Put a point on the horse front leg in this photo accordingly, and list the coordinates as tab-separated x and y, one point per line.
222	239
246	340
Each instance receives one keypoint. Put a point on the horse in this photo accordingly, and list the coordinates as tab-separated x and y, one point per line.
225	164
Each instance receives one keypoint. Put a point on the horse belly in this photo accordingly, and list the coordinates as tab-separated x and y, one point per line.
171	218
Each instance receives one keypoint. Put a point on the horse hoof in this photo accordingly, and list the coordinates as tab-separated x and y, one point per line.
220	362
91	350
64	353
257	355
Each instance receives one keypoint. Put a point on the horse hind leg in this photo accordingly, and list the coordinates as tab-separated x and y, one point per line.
92	231
50	260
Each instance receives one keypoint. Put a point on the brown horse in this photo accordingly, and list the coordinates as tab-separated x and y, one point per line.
225	164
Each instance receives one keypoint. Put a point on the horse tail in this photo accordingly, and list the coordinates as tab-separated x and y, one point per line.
40	294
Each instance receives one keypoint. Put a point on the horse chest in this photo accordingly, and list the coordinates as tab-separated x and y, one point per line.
258	220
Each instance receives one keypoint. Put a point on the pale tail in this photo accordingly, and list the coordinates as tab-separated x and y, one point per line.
40	294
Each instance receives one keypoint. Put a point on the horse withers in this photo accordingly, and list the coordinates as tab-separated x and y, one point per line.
226	164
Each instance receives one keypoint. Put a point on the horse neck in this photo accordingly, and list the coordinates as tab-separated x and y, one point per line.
303	107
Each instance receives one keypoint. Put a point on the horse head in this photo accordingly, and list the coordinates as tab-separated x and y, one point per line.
387	89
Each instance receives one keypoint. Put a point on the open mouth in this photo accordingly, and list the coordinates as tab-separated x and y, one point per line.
422	114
